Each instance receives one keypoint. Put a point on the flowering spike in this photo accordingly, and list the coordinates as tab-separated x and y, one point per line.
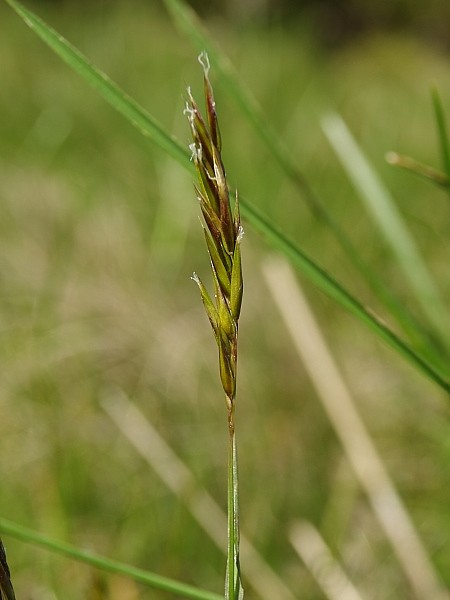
222	232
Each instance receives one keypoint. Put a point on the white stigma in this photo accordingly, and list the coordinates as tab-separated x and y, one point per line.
203	59
196	152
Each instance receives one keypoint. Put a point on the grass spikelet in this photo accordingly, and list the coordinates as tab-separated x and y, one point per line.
223	231
223	235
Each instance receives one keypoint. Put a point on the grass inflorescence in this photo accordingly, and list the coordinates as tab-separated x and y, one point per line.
223	233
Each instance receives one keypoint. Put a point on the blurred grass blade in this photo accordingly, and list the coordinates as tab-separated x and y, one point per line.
313	550
111	92
149	127
106	564
442	130
387	217
414	166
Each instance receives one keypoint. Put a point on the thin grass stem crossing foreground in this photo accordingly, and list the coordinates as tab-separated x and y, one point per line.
109	565
223	234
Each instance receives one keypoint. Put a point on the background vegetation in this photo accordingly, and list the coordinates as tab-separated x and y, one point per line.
98	238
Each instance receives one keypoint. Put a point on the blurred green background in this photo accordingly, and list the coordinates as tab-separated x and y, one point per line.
99	235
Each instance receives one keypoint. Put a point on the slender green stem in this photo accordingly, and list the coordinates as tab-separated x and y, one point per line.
233	576
414	166
229	584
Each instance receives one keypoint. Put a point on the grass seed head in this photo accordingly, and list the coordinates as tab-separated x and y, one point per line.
223	231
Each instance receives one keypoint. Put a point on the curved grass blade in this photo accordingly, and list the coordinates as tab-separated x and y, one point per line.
110	91
334	290
442	130
149	127
106	564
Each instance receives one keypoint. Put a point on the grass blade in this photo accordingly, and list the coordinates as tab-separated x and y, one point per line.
322	280
149	127
387	217
106	564
110	91
313	550
442	130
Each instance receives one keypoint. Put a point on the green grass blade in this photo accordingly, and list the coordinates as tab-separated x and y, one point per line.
106	564
149	127
110	91
387	217
322	280
442	130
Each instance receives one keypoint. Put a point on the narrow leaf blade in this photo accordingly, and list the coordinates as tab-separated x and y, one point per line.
106	564
442	130
110	91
